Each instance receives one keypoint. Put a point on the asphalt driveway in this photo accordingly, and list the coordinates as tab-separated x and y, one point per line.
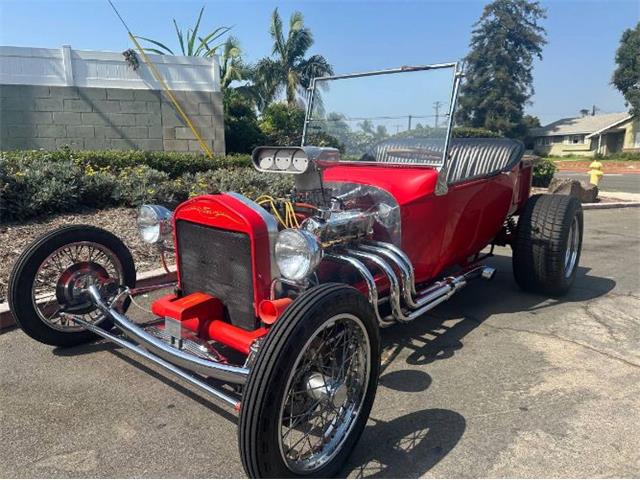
496	383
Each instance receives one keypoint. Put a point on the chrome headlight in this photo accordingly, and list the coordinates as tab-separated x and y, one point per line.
298	253
154	223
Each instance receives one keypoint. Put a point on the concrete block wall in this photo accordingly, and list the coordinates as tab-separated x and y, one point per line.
48	117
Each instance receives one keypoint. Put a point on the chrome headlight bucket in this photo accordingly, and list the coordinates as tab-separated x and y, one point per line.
297	253
154	224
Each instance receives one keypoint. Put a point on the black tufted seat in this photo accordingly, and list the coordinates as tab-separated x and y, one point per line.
468	157
479	157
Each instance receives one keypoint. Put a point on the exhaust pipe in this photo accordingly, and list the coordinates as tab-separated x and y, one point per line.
219	371
417	303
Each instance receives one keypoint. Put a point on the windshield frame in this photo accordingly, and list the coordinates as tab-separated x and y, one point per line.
456	77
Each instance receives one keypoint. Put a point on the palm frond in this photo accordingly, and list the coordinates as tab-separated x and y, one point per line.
194	33
158	44
180	36
279	44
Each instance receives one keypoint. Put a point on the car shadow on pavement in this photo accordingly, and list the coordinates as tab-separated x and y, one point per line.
407	446
439	333
119	352
410	445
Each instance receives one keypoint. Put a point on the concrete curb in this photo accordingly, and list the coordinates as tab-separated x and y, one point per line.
605	206
145	279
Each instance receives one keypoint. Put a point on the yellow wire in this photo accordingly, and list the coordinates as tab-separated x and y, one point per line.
290	220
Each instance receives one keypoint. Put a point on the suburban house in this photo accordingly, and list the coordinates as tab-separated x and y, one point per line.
588	135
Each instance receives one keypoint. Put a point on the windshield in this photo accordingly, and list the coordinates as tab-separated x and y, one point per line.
394	116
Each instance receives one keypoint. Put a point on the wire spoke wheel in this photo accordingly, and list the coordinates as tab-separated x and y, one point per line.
51	276
312	386
60	280
325	392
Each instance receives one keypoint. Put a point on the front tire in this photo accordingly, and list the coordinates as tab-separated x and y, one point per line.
48	277
548	244
312	386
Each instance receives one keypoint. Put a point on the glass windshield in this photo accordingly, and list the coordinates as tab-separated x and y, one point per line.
400	117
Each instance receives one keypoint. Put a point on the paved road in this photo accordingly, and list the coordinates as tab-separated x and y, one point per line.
496	383
611	182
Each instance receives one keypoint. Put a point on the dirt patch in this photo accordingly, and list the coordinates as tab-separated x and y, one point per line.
608	166
15	237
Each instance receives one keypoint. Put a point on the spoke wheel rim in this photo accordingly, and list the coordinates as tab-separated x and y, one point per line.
314	424
571	251
62	267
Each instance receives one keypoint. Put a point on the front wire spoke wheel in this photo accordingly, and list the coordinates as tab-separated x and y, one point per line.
325	393
49	279
311	389
61	279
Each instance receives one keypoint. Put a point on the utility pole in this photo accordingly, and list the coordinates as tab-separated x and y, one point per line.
436	106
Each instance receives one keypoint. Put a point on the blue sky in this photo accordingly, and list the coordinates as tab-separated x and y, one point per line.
355	35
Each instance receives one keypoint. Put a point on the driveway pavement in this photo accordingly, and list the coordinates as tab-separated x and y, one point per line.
495	383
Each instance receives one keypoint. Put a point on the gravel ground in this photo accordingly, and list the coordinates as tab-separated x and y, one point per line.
15	237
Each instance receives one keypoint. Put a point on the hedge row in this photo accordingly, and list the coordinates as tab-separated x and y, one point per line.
173	164
39	183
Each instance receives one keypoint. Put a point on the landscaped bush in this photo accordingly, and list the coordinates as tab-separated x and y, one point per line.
543	172
172	163
43	183
472	132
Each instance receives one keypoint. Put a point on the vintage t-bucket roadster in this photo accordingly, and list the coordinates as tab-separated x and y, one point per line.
279	301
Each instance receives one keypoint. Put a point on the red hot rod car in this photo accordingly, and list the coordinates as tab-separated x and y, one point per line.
279	301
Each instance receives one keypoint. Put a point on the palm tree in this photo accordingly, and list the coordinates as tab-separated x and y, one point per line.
288	68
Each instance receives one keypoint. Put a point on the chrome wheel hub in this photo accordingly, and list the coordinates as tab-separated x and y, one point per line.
571	250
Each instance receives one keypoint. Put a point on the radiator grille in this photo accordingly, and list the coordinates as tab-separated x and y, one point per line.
217	262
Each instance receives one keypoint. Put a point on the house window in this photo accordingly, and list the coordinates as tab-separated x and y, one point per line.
637	139
577	139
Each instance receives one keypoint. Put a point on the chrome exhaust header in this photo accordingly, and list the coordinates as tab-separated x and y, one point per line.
388	258
220	371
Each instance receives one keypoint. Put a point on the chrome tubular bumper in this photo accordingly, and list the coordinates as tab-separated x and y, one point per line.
169	358
219	371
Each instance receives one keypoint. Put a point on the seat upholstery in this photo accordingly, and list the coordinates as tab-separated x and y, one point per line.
479	157
468	157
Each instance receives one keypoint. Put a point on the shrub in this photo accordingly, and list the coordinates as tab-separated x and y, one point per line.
174	164
473	132
31	188
246	181
543	172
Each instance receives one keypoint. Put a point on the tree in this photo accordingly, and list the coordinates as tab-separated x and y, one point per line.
626	77
289	68
241	129
498	82
584	112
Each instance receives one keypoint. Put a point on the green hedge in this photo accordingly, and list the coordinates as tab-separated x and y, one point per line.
42	183
172	163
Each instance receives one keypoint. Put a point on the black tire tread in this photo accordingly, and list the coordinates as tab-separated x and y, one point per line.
538	257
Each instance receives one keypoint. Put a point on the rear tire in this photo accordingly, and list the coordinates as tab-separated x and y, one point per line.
30	315
546	251
276	396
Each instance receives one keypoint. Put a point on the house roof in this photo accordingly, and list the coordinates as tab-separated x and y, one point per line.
589	125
